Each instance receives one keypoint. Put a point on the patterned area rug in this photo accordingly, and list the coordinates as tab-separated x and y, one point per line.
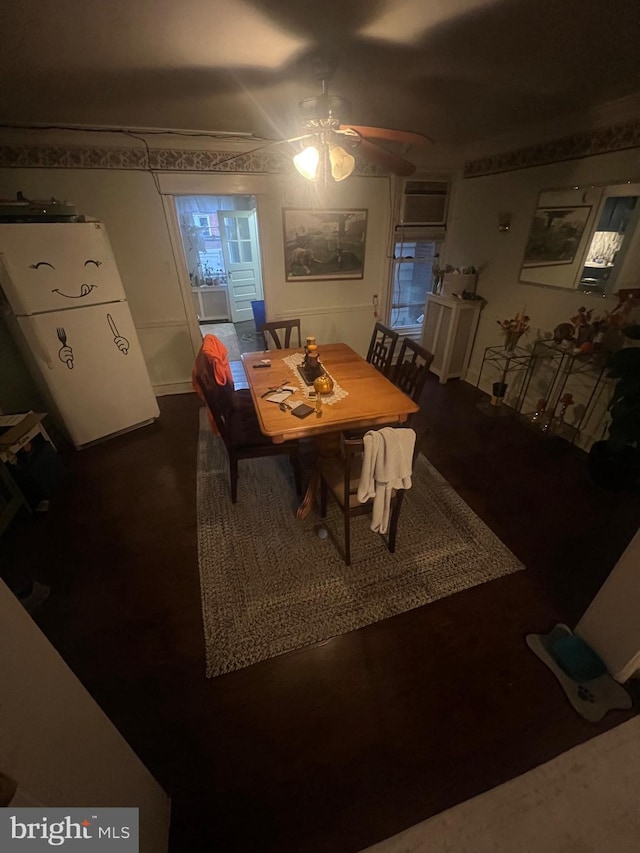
227	334
270	585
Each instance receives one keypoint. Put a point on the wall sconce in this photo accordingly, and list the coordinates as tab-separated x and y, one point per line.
504	222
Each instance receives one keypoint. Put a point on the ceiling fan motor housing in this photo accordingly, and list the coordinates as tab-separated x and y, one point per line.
326	119
325	107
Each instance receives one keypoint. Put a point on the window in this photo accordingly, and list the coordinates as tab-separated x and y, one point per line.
412	276
202	222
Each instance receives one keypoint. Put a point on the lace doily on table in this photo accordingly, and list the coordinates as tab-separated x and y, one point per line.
338	393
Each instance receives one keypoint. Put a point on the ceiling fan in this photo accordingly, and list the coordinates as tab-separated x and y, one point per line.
333	143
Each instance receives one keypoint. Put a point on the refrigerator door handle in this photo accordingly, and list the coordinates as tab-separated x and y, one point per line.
37	344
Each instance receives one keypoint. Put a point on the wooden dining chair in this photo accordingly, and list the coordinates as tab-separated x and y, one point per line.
275	329
381	348
411	369
340	475
235	416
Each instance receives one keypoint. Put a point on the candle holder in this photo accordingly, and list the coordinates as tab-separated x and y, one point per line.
311	367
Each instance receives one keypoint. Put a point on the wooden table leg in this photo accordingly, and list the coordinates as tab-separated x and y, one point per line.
307	502
327	445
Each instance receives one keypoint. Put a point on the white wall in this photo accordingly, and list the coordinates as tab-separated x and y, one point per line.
473	238
332	310
611	624
132	209
57	743
129	204
157	286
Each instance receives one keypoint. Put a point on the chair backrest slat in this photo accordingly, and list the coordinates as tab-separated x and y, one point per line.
381	348
411	369
274	329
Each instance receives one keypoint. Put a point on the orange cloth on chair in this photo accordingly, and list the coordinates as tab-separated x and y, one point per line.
213	357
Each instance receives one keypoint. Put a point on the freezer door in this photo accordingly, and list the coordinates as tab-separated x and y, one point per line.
91	362
53	266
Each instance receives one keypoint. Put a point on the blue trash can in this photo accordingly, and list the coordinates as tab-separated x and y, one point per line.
259	316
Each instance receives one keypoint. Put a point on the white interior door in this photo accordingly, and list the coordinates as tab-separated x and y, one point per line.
239	235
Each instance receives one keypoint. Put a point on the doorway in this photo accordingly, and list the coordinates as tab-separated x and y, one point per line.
222	254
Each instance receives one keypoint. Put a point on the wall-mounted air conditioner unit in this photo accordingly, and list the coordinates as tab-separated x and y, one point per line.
424	202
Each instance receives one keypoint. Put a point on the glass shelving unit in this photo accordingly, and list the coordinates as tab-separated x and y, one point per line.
564	364
507	362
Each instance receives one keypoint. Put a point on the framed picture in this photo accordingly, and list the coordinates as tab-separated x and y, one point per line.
555	235
324	245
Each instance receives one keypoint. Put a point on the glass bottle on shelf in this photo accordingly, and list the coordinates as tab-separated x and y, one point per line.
548	418
539	415
557	425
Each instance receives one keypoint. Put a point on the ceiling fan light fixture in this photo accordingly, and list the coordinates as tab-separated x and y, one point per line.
307	162
342	163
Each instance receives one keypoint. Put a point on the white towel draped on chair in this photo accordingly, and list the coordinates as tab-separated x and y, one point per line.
386	465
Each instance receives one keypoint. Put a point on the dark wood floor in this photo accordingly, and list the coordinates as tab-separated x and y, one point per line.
342	744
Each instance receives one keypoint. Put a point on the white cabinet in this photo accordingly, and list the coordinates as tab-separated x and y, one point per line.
448	332
211	303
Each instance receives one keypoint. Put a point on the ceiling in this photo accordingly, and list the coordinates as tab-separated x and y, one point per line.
457	70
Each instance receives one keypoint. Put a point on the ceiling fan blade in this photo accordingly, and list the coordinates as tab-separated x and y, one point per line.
385	159
388	135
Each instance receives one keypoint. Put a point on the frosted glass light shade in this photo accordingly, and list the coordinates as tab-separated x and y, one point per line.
306	162
342	163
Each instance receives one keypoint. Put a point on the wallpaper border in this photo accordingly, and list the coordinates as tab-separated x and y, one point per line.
158	159
617	137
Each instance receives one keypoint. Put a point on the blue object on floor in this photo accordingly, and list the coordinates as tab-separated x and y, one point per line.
592	698
577	659
259	315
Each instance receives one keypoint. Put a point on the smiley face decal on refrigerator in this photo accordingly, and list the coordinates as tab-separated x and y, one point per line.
119	341
65	353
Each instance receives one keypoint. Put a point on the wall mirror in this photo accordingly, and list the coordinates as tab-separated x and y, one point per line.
585	238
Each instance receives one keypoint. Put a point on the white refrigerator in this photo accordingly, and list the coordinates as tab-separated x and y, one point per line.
65	304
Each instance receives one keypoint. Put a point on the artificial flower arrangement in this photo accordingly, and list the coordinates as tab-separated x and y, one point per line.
440	271
628	303
513	329
586	333
582	318
518	324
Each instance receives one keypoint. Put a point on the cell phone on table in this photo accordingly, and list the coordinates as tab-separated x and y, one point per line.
302	411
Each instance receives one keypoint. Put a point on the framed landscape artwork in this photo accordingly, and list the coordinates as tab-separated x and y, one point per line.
324	245
555	235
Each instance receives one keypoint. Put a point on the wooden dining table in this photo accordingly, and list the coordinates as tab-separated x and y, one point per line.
371	400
